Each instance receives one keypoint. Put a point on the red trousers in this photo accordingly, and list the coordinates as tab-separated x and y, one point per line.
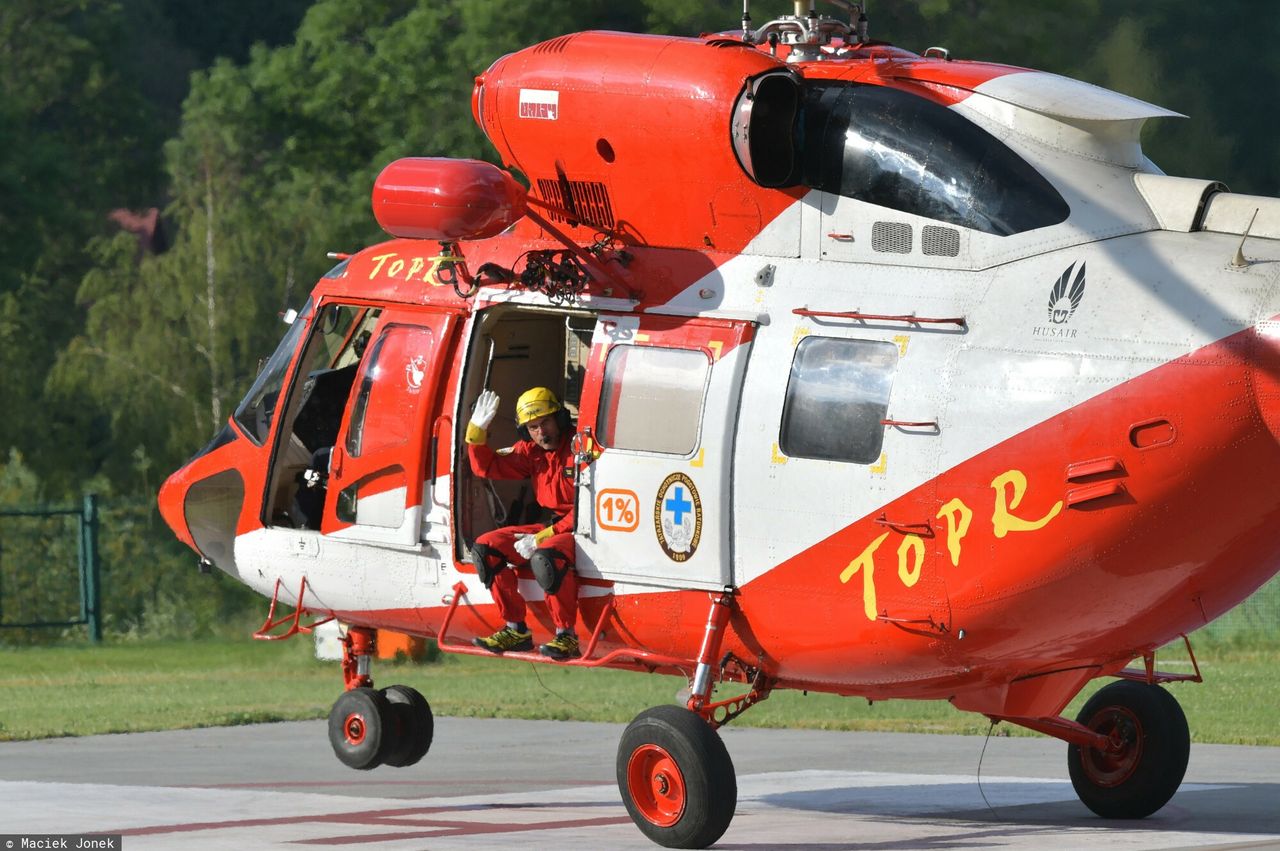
563	605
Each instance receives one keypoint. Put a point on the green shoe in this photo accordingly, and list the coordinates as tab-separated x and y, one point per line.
506	639
563	646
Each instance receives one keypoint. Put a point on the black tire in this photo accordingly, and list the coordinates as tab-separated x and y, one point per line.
676	778
411	729
358	724
1141	777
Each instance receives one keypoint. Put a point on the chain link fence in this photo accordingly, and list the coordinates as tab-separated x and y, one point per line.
49	568
1256	620
149	583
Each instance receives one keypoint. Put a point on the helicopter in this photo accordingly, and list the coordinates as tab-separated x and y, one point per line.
890	375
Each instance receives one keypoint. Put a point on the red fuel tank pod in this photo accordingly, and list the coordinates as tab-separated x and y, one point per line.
446	199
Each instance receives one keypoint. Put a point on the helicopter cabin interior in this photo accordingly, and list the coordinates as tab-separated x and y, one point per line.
513	349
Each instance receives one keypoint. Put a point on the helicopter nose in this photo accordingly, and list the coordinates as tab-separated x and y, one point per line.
204	513
170	500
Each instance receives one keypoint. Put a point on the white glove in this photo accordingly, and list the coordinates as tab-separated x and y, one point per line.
486	409
525	545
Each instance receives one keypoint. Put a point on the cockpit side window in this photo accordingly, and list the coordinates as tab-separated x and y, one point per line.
257	410
897	150
312	413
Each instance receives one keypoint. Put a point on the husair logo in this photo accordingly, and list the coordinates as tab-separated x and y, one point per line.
1065	296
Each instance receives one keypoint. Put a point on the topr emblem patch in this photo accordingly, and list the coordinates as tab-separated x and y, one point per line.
677	517
414	371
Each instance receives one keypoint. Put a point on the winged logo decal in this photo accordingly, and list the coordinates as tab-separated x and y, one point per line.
1066	295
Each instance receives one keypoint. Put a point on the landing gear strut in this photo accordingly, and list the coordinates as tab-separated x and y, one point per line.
673	770
369	727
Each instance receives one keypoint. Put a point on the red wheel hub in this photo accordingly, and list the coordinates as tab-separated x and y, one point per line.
1116	764
354	729
656	785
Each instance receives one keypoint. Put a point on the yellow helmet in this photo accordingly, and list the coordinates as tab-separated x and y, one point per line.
534	403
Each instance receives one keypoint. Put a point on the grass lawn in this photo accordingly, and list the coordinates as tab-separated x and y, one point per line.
82	690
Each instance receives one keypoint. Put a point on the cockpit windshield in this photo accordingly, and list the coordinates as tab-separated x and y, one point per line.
258	408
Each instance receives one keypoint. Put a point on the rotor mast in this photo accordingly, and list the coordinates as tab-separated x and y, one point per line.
806	32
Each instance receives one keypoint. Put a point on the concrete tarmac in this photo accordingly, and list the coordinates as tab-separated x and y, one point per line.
492	783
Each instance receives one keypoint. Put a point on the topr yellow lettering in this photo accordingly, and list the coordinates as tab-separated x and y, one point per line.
1003	521
433	272
910	576
415	267
958	518
377	264
866	563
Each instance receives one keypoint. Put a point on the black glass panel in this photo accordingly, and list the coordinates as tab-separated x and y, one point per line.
904	152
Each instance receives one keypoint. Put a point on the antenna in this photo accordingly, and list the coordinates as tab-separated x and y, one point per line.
1239	261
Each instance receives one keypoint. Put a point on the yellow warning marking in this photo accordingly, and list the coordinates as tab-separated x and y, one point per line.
697	462
604	350
778	458
902	340
880	466
716	346
800	332
642	338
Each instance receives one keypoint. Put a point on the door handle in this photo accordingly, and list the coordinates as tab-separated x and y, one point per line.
433	460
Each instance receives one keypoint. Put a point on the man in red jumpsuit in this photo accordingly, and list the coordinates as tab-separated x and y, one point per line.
542	456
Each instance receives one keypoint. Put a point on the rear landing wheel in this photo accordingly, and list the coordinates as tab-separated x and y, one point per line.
358	725
676	778
1151	742
411	727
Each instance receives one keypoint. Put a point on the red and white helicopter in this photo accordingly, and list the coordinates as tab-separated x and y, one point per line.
894	376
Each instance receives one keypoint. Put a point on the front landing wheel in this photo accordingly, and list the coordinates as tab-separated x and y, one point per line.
676	778
1151	747
358	725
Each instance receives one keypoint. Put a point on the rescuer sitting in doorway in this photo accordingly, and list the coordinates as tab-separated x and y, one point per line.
541	456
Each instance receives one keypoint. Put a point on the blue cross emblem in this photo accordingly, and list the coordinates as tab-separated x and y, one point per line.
678	505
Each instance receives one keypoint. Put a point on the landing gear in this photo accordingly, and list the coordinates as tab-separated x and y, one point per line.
674	772
1147	758
369	727
357	727
412	726
676	778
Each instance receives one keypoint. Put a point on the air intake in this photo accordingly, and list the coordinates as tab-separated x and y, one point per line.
587	201
940	242
555	45
891	237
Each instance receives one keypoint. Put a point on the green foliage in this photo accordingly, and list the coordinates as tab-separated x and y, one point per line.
132	686
278	119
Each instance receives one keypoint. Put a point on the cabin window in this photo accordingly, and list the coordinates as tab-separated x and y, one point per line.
652	399
837	396
904	152
392	381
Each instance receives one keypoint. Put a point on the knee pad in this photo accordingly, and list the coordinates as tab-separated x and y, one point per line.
488	562
547	568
